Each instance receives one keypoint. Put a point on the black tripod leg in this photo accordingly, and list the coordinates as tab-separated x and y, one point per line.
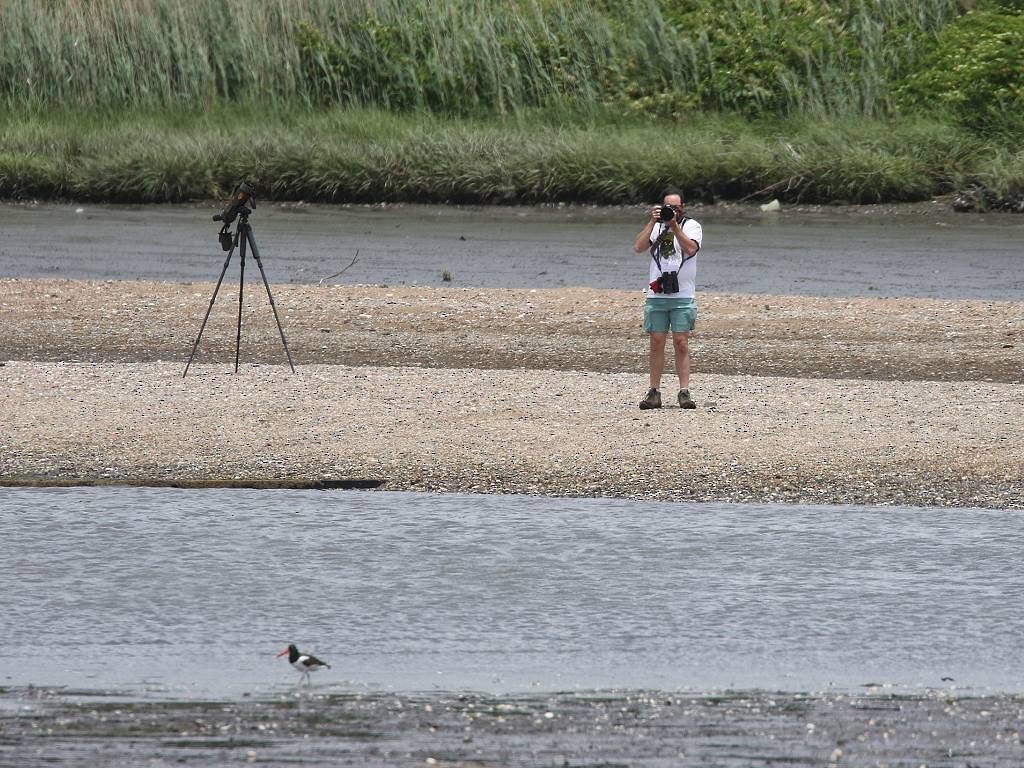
273	306
242	230
208	310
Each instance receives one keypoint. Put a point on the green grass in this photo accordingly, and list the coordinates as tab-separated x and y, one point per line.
366	155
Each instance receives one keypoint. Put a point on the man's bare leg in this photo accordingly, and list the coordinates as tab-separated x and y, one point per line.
682	348
656	358
680	341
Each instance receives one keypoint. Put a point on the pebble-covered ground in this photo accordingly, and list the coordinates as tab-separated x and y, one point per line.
811	400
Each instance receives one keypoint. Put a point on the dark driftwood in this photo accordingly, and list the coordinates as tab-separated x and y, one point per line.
265	483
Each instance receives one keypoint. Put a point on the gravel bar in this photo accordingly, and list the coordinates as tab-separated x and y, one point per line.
801	400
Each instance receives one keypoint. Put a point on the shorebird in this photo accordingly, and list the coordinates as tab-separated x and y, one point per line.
303	662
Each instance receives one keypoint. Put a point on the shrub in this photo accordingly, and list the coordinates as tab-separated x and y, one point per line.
752	50
975	72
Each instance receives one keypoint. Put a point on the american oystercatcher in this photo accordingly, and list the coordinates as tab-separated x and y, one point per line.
303	662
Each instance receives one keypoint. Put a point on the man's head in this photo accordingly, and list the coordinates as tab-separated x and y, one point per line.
673	197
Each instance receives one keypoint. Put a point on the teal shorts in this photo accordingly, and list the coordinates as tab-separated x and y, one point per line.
680	314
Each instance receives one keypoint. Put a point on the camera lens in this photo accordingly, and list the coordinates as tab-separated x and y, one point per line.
667	212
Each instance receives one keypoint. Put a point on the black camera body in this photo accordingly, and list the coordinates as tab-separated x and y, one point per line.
667	213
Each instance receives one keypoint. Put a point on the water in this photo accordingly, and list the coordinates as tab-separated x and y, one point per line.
193	593
834	253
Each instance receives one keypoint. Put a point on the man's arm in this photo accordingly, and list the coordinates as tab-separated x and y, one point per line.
643	240
689	246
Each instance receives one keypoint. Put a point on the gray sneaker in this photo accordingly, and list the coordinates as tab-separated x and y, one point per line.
652	399
684	399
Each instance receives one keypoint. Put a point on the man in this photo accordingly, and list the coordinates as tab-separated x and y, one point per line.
673	240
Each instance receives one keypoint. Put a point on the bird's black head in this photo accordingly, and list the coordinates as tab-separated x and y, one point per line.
292	651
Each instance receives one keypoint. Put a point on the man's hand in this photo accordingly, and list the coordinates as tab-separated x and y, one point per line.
689	246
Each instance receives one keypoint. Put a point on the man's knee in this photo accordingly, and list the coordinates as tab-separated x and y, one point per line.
658	339
680	341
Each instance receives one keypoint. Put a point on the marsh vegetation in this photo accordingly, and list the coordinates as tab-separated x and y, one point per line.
479	101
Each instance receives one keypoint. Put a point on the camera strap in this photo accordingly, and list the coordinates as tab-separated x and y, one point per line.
655	246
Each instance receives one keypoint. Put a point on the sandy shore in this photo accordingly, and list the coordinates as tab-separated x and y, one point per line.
893	401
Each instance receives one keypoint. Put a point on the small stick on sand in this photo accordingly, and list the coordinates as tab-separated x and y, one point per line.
331	277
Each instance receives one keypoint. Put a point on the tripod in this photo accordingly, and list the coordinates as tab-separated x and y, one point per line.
242	238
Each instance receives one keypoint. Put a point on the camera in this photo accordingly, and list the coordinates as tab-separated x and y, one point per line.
667	213
667	282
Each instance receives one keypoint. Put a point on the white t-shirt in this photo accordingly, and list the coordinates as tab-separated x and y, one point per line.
672	257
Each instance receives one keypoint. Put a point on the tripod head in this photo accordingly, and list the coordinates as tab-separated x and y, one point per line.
243	196
243	200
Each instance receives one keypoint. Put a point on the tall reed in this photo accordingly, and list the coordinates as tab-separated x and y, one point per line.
464	56
150	52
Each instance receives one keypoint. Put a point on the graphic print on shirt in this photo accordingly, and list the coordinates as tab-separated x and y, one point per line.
666	245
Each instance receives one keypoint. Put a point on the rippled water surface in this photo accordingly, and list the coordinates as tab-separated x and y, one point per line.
194	592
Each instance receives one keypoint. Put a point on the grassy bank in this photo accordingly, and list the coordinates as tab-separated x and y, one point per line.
526	101
361	155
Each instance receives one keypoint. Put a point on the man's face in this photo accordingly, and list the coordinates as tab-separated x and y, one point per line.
676	202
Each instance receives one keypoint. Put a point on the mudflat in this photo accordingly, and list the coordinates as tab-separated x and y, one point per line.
637	728
801	399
